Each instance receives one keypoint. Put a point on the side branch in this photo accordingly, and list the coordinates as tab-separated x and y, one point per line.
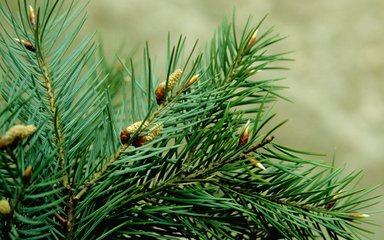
97	175
219	164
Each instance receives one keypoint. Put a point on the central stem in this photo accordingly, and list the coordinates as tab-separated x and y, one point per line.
59	142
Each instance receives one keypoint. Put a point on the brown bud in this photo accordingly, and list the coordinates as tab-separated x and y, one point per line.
119	67
252	40
332	203
32	19
140	141
154	132
125	135
257	163
5	208
28	45
27	174
244	137
159	93
172	80
192	80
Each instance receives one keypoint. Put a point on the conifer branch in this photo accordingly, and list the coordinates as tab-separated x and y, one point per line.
140	128
193	158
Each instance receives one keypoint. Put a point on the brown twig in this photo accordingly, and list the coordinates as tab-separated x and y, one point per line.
260	144
72	202
62	220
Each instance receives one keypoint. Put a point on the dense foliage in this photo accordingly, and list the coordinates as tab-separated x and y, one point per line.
92	150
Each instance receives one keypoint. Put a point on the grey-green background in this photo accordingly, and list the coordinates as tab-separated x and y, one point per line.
336	82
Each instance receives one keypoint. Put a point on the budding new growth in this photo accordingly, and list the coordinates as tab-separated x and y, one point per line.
32	19
5	208
333	202
125	135
252	40
257	164
172	80
15	134
28	45
27	174
192	80
358	215
244	138
159	93
154	132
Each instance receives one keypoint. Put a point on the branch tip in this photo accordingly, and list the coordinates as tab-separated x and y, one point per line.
253	38
28	45
244	137
32	19
192	80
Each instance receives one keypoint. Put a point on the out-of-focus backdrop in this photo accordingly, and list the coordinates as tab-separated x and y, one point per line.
336	81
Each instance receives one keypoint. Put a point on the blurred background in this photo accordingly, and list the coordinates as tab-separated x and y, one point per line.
336	81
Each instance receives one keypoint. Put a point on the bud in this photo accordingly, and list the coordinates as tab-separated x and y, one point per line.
253	71
125	135
192	80
159	93
172	80
119	67
134	127
154	132
16	133
28	45
20	131
333	202
330	204
27	174
356	215
5	208
257	164
32	19
252	40
245	135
